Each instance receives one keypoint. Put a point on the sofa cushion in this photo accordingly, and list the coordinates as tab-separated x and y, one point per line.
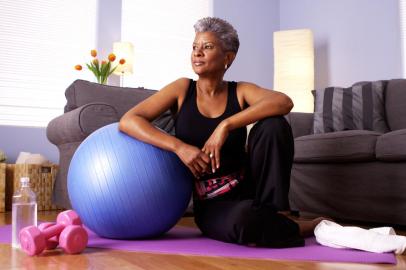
358	107
82	92
395	104
341	146
392	146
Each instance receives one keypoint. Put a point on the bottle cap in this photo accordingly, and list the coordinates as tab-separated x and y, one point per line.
24	180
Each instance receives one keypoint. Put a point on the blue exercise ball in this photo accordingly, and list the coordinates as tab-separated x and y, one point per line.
123	188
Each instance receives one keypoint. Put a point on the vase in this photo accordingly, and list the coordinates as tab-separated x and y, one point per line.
102	80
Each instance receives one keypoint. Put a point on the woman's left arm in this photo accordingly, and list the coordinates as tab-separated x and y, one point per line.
261	102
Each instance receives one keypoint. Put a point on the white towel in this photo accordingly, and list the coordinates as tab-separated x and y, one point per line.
379	240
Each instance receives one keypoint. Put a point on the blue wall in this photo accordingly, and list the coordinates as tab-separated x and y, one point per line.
255	21
354	40
14	140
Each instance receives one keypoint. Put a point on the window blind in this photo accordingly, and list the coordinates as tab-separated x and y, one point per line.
162	34
40	42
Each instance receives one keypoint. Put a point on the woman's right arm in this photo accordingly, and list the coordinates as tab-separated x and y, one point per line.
137	123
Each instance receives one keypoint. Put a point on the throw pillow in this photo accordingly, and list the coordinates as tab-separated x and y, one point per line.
358	107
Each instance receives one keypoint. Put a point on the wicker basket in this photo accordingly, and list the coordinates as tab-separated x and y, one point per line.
42	179
2	187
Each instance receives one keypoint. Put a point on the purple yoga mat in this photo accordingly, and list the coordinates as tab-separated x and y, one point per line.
189	241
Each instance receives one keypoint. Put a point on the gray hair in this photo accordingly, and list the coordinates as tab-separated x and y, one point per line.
223	30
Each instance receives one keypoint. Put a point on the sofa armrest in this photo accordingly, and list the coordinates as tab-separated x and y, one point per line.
165	122
76	125
301	123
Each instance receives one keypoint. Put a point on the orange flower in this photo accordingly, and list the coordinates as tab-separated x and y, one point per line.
112	57
101	69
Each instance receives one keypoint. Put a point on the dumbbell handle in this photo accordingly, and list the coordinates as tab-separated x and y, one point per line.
65	218
53	230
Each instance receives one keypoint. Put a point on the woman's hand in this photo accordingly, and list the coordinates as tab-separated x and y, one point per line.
213	145
196	160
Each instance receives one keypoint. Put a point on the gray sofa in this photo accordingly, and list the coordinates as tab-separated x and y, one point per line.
353	174
357	175
90	106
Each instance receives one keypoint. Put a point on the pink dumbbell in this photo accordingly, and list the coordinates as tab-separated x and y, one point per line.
73	239
52	242
33	241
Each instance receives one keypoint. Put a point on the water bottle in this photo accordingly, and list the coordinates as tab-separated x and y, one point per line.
24	210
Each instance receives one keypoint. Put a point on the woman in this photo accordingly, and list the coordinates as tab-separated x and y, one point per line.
238	191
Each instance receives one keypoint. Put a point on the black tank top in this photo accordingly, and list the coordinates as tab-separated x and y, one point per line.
194	128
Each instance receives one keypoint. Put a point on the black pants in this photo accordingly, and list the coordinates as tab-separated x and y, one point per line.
248	213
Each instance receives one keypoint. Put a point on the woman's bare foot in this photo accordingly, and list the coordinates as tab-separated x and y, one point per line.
306	227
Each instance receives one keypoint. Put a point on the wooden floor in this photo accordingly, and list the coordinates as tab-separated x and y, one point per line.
93	258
